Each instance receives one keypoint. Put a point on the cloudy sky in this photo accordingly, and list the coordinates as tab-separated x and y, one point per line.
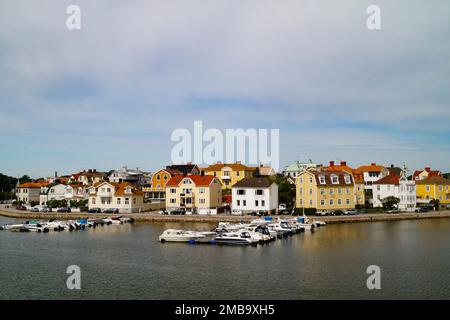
111	93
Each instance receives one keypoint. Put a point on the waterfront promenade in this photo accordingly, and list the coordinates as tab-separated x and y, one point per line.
155	217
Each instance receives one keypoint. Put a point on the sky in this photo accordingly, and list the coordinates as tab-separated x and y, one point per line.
112	93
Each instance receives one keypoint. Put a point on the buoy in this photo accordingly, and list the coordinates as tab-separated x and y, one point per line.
191	241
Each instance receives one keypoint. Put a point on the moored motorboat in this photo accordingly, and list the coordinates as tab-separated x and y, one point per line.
174	235
235	238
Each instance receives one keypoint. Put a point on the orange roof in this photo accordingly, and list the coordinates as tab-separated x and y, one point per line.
120	188
371	168
33	184
233	166
199	180
358	174
392	178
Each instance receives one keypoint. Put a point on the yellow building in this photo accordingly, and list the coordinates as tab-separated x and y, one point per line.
325	190
229	173
437	188
196	193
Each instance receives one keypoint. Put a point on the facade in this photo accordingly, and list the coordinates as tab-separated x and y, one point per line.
112	195
76	192
294	169
325	190
185	169
426	173
193	193
53	191
357	175
396	186
156	190
255	194
433	188
30	191
230	173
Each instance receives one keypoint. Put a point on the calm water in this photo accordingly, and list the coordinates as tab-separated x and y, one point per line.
127	262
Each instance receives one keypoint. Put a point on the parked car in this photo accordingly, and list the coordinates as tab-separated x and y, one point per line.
64	209
177	212
163	212
423	209
111	210
34	209
22	208
95	210
321	213
46	209
351	212
393	211
237	213
338	213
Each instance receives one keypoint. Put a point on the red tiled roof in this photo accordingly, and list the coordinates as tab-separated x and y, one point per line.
431	173
233	166
371	168
34	184
358	175
198	180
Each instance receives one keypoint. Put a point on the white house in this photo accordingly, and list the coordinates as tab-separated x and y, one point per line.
76	192
53	191
254	194
395	186
133	176
111	195
29	192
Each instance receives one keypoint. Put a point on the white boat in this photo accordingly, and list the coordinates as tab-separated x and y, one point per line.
36	227
173	235
280	228
228	226
235	238
318	223
12	227
263	230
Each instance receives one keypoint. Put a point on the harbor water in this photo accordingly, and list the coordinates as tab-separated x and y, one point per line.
127	262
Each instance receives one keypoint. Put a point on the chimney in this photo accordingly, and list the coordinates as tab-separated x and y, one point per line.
189	163
238	162
343	163
202	173
373	164
56	174
219	162
427	169
331	163
392	165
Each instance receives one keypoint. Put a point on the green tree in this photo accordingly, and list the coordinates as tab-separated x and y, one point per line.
286	190
24	179
390	203
435	203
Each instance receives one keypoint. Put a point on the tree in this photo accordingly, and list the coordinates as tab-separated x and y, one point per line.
286	190
24	179
390	203
56	203
435	204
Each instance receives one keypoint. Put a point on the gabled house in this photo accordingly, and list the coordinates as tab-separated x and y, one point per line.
397	186
357	175
255	194
230	173
156	190
195	193
294	169
53	191
426	173
123	196
88	177
325	190
133	176
266	171
433	188
185	169
30	192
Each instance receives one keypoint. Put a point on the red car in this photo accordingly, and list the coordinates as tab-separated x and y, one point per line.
22	208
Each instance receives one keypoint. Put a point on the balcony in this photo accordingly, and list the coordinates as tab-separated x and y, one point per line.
105	194
223	177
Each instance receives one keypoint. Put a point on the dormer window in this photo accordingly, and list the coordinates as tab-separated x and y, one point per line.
334	179
322	179
128	190
187	181
347	179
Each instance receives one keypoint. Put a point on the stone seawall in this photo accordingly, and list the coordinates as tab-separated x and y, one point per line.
154	217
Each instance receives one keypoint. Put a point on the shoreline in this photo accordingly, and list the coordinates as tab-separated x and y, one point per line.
155	217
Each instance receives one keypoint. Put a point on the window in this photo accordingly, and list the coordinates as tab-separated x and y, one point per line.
331	202
259	192
322	191
347	179
187	181
334	179
441	188
201	201
201	190
103	189
263	203
301	180
378	188
238	202
322	202
173	190
108	189
165	178
134	200
256	203
339	190
127	200
158	177
331	191
310	180
301	190
238	173
347	201
340	202
118	200
348	190
226	173
428	188
93	200
173	201
322	179
310	203
244	203
241	192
